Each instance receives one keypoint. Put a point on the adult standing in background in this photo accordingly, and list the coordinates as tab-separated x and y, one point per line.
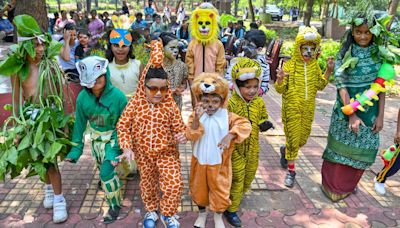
95	27
125	8
181	13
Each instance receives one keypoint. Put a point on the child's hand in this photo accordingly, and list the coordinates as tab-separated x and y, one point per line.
67	36
330	64
128	155
281	75
397	138
199	110
181	138
226	141
114	163
354	123
378	124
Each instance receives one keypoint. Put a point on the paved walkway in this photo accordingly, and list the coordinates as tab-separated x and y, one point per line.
268	204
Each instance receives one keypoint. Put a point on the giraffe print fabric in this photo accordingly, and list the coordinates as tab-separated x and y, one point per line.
149	129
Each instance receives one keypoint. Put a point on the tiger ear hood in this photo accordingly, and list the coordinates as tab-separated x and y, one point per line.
211	83
306	35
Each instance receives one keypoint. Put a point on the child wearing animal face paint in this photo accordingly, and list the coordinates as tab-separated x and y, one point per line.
100	104
298	82
149	130
245	102
214	131
177	70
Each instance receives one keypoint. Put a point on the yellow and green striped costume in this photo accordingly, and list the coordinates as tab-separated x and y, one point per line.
298	91
245	154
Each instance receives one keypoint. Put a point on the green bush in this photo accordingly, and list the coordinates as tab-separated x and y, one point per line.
269	33
225	18
287	33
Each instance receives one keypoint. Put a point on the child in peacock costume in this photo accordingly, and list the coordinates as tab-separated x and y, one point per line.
245	102
298	83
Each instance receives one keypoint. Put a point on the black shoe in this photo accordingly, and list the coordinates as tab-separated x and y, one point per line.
112	215
283	160
233	219
289	179
99	186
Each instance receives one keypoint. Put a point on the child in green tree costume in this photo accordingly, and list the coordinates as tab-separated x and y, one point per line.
38	135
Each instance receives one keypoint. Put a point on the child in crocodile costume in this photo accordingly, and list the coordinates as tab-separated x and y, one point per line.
100	104
298	83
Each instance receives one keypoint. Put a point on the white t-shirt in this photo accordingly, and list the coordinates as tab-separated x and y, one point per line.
125	77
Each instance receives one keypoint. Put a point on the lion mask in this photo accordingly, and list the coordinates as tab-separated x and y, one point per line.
204	23
211	83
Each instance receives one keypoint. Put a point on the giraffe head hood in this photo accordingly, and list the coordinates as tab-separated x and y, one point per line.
204	23
307	43
244	69
211	83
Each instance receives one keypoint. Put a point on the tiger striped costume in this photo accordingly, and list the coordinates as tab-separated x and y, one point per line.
298	91
245	154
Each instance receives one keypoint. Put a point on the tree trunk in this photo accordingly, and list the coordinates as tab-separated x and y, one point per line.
88	5
308	12
335	9
96	3
37	9
79	5
116	4
325	8
59	5
393	7
178	3
236	7
251	11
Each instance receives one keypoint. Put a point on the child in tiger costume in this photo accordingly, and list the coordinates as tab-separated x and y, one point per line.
298	83
246	78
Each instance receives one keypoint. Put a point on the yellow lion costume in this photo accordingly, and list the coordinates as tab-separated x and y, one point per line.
299	90
211	171
205	52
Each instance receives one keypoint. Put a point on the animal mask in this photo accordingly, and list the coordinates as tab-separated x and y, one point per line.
171	50
211	83
120	34
204	23
90	69
307	42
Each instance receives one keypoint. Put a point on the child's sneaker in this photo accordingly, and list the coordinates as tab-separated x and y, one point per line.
150	219
219	223
48	198
170	221
379	187
233	219
283	160
201	220
60	212
289	179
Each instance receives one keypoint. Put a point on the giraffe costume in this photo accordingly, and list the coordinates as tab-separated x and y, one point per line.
149	129
211	169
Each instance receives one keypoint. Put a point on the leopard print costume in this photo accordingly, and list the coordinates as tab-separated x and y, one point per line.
149	129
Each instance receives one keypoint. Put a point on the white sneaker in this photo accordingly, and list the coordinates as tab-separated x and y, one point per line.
201	220
379	187
60	212
48	198
219	223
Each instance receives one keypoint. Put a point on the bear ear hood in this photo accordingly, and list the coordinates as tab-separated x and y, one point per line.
211	83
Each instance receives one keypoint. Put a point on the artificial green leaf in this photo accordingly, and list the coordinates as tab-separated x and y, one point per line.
384	20
34	153
53	49
386	54
12	155
358	21
24	71
28	46
394	49
10	66
50	136
350	62
38	135
25	143
53	152
394	41
376	30
40	147
23	159
26	26
40	169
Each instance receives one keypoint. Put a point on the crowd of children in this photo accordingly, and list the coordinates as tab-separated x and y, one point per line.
132	113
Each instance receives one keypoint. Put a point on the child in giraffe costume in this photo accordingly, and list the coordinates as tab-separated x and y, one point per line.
214	131
247	78
298	83
149	130
100	104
